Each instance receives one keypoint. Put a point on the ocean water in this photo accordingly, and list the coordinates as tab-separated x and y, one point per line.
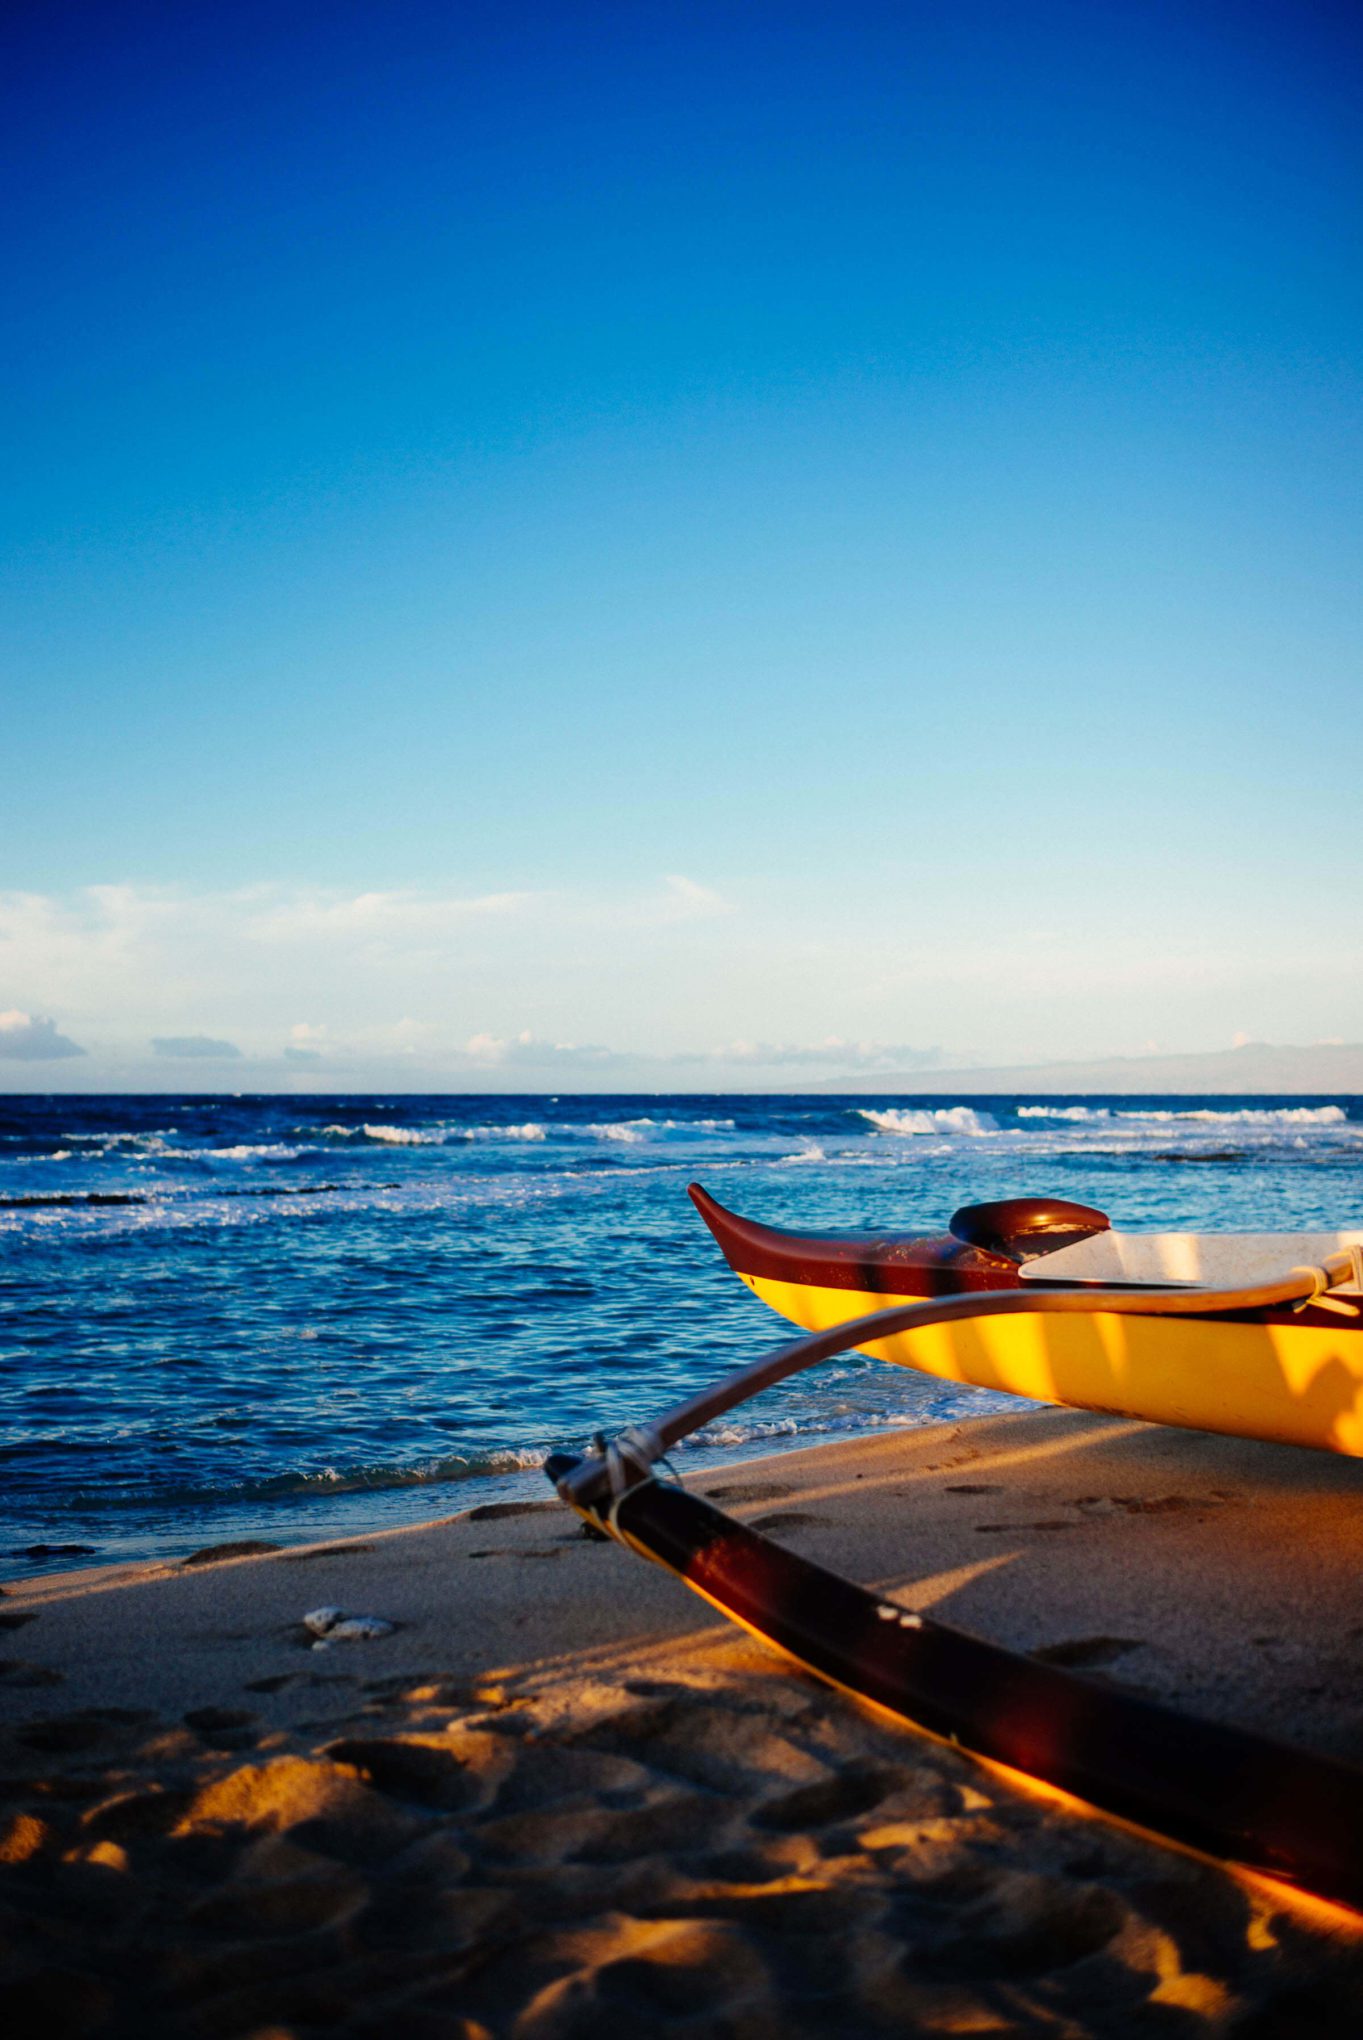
298	1318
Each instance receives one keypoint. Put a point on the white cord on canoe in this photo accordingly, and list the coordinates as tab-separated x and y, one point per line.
630	1456
1322	1280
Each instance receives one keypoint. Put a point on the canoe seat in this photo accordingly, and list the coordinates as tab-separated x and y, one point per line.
1021	1228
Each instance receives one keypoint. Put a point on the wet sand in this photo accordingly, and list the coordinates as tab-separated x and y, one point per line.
561	1792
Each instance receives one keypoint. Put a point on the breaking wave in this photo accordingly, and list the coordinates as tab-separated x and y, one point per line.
728	1434
1074	1112
332	1480
907	1120
1263	1117
531	1129
1279	1115
245	1151
401	1136
630	1132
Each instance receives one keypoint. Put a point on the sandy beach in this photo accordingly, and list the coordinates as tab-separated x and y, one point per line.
561	1790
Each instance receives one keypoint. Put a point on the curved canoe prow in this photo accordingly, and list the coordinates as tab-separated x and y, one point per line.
982	1250
871	1264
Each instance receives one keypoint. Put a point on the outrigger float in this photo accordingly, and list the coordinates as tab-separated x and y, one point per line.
1258	1336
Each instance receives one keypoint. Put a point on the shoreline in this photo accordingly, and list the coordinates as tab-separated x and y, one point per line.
526	1483
642	1798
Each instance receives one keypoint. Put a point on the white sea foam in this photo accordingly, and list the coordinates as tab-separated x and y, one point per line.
153	1141
335	1480
242	1151
1282	1115
624	1132
1075	1112
631	1131
401	1136
811	1152
763	1430
906	1121
274	1151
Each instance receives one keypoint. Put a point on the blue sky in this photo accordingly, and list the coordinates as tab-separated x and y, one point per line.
787	537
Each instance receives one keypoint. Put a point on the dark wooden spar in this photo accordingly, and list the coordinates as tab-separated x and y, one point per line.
1227	1792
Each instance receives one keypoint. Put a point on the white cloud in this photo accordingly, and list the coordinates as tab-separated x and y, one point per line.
24	1038
523	1051
489	985
374	918
207	973
685	900
124	958
486	1048
195	1048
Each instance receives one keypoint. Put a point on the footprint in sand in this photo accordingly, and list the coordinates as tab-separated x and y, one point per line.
417	1772
15	1618
972	1487
1085	1653
511	1551
681	1821
259	1911
217	1717
225	1728
246	1547
134	1816
1142	1505
785	1519
331	1551
69	1734
19	1672
855	1790
749	1491
496	1512
1009	1924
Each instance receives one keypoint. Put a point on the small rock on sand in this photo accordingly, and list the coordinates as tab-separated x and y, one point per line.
333	1625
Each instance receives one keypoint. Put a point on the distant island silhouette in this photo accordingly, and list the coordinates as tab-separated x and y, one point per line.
1332	1068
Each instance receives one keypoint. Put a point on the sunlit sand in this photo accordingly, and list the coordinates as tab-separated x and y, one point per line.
560	1789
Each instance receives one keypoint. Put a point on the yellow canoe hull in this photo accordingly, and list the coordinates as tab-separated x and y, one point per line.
1296	1384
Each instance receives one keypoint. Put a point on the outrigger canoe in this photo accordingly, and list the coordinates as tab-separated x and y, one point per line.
1291	1372
1261	1336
